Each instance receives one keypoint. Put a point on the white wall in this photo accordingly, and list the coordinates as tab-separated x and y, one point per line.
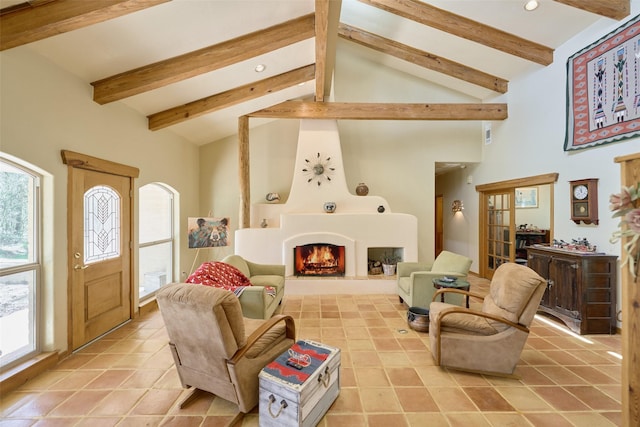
46	110
531	142
394	158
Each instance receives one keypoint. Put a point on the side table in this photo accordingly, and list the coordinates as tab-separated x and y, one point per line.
457	284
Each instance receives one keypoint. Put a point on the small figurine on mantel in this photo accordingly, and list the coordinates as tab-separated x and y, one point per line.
272	197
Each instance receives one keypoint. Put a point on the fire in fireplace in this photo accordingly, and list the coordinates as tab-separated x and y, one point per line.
319	259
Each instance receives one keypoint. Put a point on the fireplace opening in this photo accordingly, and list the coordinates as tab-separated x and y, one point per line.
319	259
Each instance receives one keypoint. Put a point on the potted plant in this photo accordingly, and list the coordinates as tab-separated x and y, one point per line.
389	261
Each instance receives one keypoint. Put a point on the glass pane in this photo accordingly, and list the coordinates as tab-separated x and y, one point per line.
17	226
156	206
101	224
155	267
17	315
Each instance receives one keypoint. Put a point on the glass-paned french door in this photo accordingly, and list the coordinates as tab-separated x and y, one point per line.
499	212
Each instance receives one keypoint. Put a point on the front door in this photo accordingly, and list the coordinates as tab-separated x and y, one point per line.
99	226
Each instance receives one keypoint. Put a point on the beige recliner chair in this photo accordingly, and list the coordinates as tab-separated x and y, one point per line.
415	279
214	347
488	340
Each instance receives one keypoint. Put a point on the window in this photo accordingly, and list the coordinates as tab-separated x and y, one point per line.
19	262
155	239
101	224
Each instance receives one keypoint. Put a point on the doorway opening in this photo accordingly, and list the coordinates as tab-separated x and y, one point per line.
500	219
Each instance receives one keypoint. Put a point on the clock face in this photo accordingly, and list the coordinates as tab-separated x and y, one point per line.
580	192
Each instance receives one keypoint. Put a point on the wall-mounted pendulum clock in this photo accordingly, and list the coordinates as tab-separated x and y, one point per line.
584	201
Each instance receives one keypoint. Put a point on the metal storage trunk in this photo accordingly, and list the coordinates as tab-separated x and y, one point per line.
299	386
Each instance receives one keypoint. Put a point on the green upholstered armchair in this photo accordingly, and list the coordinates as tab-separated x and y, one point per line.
255	301
415	279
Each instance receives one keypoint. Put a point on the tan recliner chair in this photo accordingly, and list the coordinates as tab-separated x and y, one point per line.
415	279
488	340
217	350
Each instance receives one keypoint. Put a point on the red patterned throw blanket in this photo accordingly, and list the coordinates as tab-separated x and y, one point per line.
225	276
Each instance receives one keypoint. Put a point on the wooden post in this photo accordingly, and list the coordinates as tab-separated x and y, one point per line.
243	170
630	175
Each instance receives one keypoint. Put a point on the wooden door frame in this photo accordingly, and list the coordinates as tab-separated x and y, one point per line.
439	222
83	161
629	175
503	186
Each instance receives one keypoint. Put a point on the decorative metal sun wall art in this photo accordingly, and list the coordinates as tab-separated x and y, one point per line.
318	169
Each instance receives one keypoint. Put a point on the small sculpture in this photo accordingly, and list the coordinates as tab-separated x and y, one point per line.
272	197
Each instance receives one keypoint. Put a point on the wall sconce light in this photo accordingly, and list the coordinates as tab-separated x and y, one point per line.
457	206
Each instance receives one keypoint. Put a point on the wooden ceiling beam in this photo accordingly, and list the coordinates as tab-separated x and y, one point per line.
422	58
322	31
159	74
231	97
327	20
615	9
382	111
460	26
31	22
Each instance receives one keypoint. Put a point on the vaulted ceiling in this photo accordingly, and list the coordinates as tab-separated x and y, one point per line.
189	66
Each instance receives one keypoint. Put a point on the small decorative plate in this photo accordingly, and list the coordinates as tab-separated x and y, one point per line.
448	279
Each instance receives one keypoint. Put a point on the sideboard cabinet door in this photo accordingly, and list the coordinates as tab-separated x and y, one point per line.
581	288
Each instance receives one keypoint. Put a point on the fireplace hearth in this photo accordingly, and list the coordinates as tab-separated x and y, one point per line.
319	259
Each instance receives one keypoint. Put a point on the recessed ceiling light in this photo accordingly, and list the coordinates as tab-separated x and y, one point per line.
531	5
260	68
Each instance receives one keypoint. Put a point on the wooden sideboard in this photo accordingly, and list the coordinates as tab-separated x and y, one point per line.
581	288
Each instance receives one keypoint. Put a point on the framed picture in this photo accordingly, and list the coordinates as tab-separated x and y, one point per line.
208	232
526	197
602	89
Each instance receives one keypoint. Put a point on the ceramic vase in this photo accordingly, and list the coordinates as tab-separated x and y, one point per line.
329	207
362	189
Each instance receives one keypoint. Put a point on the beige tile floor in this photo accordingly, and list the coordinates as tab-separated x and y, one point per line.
388	377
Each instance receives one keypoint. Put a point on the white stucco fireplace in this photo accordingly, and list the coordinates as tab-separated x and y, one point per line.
358	222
